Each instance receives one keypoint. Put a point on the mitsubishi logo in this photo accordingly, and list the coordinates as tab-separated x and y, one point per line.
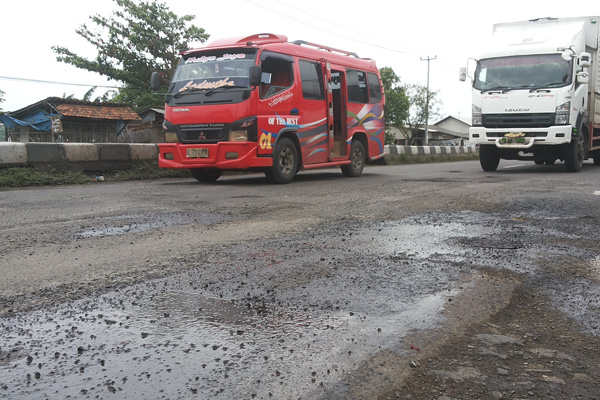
202	137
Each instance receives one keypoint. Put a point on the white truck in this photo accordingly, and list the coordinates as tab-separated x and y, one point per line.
536	93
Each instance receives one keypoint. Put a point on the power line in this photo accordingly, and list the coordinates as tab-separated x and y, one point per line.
406	51
412	53
10	78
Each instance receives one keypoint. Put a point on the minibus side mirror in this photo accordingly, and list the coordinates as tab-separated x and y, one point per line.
255	75
155	81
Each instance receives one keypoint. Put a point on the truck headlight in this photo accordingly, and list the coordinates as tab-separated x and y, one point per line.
475	115
244	130
563	114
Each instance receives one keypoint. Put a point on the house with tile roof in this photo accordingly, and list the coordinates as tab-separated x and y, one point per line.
449	131
68	120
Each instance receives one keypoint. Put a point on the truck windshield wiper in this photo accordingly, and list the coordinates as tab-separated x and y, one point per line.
548	85
496	88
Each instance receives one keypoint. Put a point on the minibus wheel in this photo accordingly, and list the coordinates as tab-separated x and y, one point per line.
357	158
285	162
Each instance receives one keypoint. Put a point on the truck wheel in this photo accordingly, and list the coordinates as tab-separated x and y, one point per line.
285	162
489	157
206	174
357	158
574	155
596	157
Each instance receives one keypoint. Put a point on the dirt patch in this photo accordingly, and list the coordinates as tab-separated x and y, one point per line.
526	350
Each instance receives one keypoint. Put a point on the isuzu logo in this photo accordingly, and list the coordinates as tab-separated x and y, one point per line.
516	109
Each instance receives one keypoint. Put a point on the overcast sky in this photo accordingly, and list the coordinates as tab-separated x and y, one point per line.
396	34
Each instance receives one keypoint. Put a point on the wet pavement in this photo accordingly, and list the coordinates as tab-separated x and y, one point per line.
290	317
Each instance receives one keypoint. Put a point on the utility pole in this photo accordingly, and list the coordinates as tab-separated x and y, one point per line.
428	59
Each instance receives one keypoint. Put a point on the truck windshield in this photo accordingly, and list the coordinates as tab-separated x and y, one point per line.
522	72
210	71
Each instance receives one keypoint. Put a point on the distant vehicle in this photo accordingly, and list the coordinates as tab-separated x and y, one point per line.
536	93
263	103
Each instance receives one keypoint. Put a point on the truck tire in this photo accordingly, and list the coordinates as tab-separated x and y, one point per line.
285	162
574	153
357	158
596	157
489	157
206	174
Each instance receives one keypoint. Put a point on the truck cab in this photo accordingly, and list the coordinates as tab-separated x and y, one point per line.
535	93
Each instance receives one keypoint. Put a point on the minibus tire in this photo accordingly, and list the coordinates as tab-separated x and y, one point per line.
285	162
357	158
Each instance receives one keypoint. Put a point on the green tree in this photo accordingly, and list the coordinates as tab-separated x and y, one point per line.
1	98
396	102
417	96
138	39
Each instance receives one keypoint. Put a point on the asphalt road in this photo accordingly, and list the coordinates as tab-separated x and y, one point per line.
417	281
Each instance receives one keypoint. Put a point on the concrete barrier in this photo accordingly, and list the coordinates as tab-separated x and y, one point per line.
102	156
45	153
429	150
143	152
81	152
84	156
12	154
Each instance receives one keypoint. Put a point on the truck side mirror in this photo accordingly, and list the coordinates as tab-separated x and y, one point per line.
255	75
462	74
567	55
583	77
155	81
585	60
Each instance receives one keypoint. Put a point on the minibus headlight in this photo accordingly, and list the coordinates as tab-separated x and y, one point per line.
170	132
244	130
238	136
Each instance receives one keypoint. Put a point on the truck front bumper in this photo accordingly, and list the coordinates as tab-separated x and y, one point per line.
515	138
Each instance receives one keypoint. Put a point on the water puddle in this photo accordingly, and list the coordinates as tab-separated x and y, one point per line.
124	224
147	343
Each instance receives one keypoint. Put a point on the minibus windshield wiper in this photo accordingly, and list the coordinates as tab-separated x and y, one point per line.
211	91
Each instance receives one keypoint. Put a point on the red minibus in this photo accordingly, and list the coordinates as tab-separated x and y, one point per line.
263	103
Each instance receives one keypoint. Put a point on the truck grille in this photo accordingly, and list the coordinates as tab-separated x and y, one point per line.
203	133
517	120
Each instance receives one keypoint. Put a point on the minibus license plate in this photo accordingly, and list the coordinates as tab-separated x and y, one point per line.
197	153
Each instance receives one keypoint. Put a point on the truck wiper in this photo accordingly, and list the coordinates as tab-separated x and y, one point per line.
496	88
548	85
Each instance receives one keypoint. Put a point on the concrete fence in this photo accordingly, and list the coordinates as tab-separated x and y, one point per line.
92	156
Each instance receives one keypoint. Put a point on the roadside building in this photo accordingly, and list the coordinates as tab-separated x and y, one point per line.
68	120
148	130
449	131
